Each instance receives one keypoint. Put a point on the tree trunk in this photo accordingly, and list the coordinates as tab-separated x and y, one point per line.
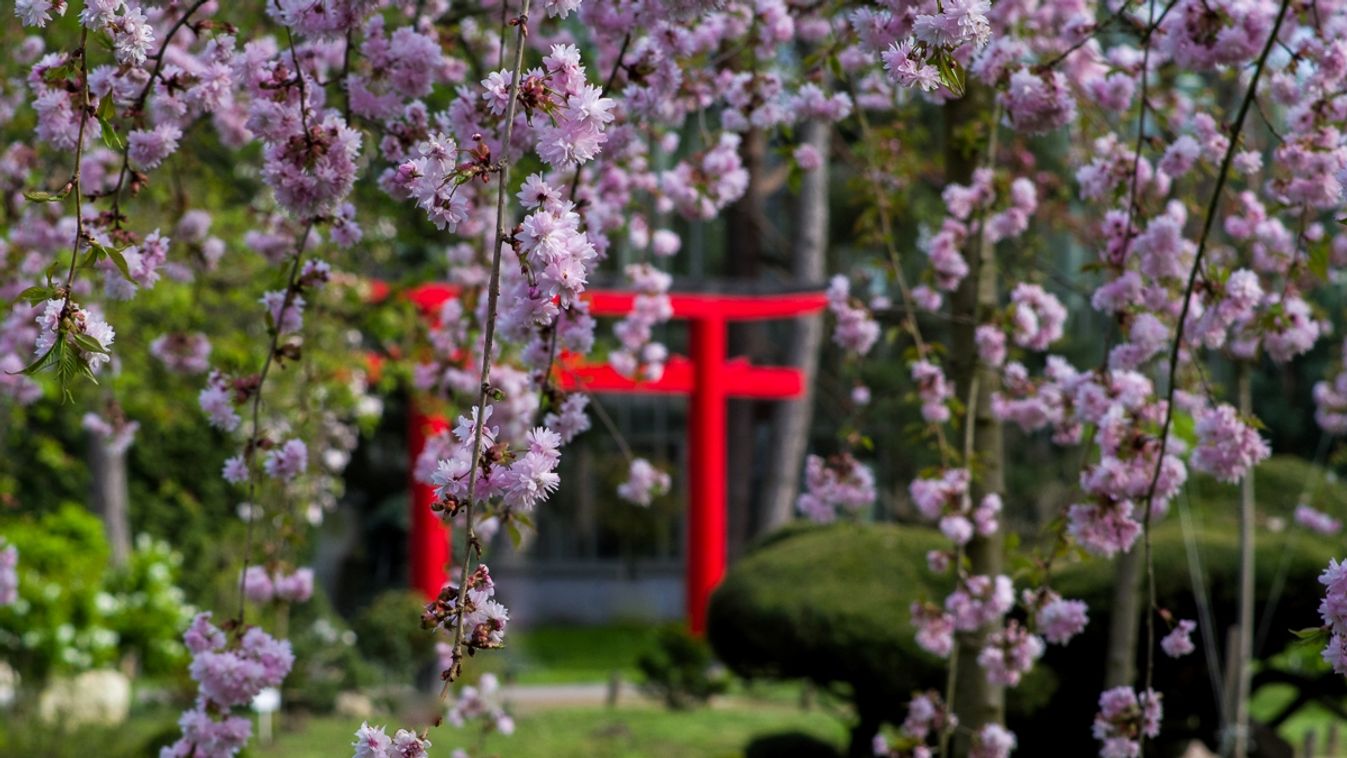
1237	718
743	256
808	263
976	701
107	463
1120	663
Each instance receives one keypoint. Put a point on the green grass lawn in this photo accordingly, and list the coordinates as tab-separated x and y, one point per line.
1312	718
623	732
570	654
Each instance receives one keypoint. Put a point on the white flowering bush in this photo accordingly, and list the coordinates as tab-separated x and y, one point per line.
74	613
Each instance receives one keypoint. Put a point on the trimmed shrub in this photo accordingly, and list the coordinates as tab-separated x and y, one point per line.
830	605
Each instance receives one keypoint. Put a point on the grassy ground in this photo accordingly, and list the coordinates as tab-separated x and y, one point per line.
570	654
1312	718
623	732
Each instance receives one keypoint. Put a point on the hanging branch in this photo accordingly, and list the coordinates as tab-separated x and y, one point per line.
472	545
255	438
1177	347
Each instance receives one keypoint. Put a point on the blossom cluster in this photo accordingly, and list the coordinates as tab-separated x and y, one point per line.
230	670
1333	611
480	704
9	573
374	742
837	483
520	480
261	586
644	483
483	619
856	330
1125	717
639	354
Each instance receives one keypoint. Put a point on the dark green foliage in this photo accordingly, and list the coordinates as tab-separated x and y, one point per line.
328	660
141	736
388	633
830	605
680	670
1294	559
790	745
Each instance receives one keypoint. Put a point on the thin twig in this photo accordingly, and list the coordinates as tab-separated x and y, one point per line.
139	107
250	448
493	296
1177	348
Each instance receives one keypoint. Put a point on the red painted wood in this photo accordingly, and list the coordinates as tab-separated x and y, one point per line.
696	305
429	547
704	565
741	378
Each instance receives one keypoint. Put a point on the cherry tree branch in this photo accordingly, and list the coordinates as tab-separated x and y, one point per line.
255	438
1177	348
472	548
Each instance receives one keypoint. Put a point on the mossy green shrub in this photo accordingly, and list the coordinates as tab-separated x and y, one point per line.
328	660
388	636
830	605
680	670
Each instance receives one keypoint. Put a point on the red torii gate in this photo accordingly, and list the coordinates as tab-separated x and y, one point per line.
708	377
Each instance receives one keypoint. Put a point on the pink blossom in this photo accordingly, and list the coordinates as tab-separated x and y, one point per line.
856	329
644	483
1059	620
992	741
9	574
1123	717
149	147
1009	653
296	587
257	585
1316	521
839	482
1178	642
287	461
807	157
1226	446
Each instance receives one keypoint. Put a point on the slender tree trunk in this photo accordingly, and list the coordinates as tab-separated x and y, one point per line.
1120	663
108	466
808	263
744	235
1237	721
976	701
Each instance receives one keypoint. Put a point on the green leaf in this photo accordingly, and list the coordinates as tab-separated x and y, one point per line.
42	196
89	344
951	73
34	295
110	136
516	537
119	261
106	109
42	361
1184	427
1310	633
1318	261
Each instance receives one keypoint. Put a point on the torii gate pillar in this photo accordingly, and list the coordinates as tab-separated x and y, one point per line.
706	542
